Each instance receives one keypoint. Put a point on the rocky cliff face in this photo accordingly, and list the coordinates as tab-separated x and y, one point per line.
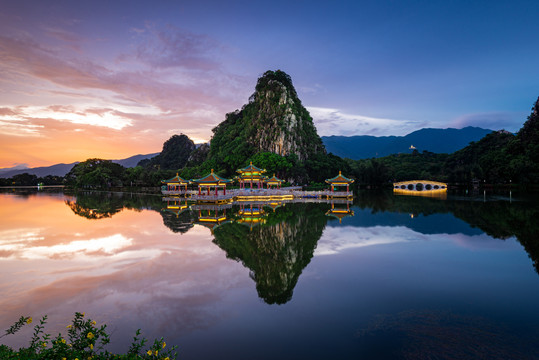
274	121
283	126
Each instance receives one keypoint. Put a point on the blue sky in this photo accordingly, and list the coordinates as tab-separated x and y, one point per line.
112	79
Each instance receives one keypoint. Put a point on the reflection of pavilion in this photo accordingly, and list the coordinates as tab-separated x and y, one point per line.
175	205
211	215
340	212
251	214
274	205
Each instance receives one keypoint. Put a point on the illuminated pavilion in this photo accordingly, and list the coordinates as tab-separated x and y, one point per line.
176	183
251	174
274	181
209	181
339	180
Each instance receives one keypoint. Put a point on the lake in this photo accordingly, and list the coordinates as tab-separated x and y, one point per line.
384	277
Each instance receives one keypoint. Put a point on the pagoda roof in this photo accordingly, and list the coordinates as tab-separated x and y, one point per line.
274	179
212	178
175	179
340	179
251	168
339	214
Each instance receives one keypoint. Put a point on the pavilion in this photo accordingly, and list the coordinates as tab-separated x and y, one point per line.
209	181
339	180
251	174
175	183
274	181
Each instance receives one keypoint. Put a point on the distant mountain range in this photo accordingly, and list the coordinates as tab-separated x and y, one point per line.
433	140
62	169
352	147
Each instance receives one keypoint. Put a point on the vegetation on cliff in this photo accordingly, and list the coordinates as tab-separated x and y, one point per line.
176	152
273	121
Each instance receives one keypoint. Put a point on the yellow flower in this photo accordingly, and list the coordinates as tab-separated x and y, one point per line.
167	358
68	326
164	344
90	335
44	344
64	359
29	320
63	341
91	346
149	352
93	323
156	352
83	314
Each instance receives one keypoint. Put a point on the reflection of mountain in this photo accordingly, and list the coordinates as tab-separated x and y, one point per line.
100	205
277	250
96	205
178	222
499	219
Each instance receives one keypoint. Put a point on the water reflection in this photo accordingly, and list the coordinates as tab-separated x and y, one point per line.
499	218
379	279
276	245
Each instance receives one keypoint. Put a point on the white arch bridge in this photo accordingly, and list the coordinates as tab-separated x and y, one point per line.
420	185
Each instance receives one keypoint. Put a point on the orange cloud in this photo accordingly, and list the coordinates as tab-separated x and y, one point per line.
84	106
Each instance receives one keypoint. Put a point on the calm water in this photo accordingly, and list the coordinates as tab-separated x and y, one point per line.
397	278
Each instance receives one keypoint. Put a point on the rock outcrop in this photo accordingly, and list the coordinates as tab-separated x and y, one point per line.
274	121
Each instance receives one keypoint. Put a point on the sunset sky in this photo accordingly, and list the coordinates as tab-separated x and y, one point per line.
112	79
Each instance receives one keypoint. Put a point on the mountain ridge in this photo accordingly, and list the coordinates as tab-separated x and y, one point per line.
435	140
62	169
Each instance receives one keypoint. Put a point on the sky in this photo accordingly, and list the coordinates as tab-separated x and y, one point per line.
111	79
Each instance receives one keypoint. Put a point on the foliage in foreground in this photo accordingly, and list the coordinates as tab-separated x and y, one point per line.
84	341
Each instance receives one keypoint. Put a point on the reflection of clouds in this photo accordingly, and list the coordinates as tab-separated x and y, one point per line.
142	277
337	239
106	245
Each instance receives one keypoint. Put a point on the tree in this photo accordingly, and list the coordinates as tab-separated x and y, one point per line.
96	173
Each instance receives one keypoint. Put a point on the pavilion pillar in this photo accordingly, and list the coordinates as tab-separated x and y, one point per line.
199	191
216	190
224	190
347	187
208	190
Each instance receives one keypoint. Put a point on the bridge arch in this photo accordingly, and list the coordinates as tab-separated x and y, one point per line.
419	186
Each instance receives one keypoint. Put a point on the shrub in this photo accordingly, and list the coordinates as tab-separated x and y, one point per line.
85	341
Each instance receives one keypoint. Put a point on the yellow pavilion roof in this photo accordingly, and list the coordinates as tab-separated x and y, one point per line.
340	180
